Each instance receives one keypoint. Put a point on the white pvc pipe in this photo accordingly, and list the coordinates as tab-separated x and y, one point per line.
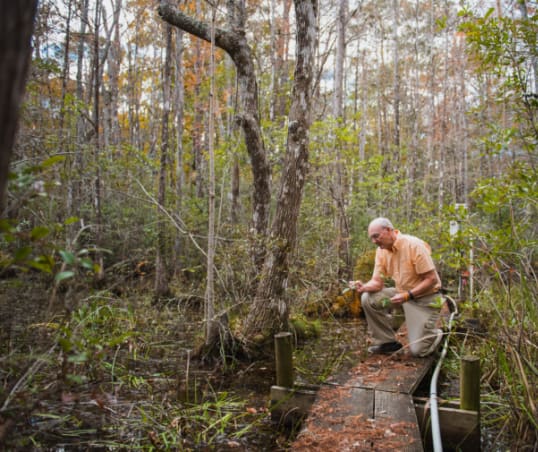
434	410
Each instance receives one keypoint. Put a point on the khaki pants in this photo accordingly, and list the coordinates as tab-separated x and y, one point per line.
420	316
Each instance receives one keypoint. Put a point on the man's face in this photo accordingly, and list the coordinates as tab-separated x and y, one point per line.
381	236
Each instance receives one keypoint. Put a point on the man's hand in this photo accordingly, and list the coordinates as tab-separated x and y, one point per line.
374	285
356	285
399	298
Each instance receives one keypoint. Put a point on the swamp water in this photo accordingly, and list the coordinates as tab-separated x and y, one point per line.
119	376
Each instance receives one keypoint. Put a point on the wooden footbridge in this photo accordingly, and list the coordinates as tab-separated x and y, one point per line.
371	407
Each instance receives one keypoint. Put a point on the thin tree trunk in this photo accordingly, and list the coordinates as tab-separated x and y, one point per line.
412	161
134	98
16	27
364	112
443	146
97	137
344	261
161	271
431	125
339	60
273	86
212	327
65	74
198	115
76	182
282	59
180	175
114	63
236	181
396	65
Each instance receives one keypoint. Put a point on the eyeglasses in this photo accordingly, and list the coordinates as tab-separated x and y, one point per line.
376	235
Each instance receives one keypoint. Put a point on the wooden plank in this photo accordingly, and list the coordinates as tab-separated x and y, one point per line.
397	373
360	419
396	413
337	421
460	429
369	407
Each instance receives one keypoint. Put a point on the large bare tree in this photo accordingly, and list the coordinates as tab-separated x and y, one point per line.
271	306
16	27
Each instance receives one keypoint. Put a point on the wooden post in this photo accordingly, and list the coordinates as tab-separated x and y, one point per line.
470	383
284	360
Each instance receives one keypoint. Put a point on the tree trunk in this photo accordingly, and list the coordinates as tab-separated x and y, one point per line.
65	74
282	58
342	242
114	64
161	271
428	189
270	310
97	199
396	63
236	180
179	92
234	43
16	27
198	122
212	326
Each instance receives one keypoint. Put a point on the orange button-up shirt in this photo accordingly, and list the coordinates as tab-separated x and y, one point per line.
409	258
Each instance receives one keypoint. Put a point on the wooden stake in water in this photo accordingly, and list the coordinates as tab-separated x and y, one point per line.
470	383
284	359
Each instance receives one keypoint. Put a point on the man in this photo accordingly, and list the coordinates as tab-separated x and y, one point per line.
407	260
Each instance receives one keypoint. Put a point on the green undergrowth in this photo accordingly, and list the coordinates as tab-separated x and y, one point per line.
118	373
500	328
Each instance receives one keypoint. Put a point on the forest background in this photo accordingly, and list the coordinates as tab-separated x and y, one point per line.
226	157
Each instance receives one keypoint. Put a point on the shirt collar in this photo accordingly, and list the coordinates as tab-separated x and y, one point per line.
397	242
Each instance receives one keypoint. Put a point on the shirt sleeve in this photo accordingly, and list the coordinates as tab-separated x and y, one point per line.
380	268
422	259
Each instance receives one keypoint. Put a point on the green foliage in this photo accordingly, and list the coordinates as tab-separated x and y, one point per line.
203	424
502	231
30	243
507	48
364	265
498	43
304	328
90	338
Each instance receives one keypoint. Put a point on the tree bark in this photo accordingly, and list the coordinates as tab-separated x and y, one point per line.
98	198
65	74
114	64
179	95
212	327
16	28
161	271
270	310
198	123
396	63
234	43
342	243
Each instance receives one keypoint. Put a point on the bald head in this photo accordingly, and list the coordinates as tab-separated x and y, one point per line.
382	233
381	223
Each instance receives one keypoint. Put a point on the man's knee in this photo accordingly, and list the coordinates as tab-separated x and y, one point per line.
367	300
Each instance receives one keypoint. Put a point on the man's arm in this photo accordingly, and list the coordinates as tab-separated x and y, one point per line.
374	285
427	282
